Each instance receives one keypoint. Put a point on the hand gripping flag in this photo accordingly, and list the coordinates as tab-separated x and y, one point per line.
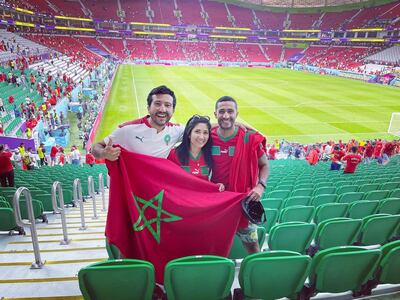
158	212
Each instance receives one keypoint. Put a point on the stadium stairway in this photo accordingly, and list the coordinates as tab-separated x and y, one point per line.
58	276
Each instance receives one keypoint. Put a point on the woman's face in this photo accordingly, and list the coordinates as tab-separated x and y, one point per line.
199	135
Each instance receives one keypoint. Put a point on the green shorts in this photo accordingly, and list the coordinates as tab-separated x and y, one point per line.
249	234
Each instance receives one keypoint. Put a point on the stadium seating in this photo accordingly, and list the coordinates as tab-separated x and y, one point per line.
199	277
115	279
217	14
191	12
272	275
163	12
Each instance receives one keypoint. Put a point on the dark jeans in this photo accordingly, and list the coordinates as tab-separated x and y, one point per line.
7	177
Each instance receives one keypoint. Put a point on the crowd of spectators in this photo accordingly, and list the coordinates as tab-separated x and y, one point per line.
378	150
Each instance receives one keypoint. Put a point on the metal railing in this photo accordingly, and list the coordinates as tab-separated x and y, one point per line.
92	194
79	199
56	188
101	190
37	264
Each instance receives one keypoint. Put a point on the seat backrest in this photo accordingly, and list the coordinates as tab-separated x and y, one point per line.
350	197
272	217
361	209
325	190
291	236
117	279
7	219
297	214
302	192
346	189
281	194
389	206
390	263
389	186
273	275
318	200
297	200
272	203
368	187
395	193
378	229
376	195
337	232
341	269
199	277
330	210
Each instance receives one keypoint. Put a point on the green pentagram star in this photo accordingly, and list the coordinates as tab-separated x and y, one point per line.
158	219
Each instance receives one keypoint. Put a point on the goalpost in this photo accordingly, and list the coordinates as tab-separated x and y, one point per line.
394	126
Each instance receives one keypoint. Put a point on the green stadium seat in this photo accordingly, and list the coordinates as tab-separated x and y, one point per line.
378	229
389	186
346	189
272	217
376	195
330	211
297	200
118	280
340	269
395	193
302	192
281	194
323	199
362	209
324	190
350	197
272	203
291	236
272	275
335	232
389	206
368	187
199	278
297	214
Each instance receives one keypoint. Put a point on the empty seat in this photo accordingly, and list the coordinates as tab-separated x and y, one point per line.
302	192
297	214
297	200
378	229
199	277
389	206
292	236
350	197
323	199
376	195
272	275
362	209
325	190
118	280
330	211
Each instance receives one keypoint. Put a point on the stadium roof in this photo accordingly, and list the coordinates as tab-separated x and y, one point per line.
302	3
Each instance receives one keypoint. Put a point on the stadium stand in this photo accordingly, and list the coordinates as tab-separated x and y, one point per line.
191	12
135	11
390	56
303	21
217	14
242	17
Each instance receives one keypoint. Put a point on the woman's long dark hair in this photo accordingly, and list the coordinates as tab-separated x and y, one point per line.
182	151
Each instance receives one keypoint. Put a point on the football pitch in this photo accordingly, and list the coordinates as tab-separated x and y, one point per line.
280	103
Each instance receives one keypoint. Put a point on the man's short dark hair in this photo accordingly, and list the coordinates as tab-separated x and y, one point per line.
225	99
354	149
161	90
1	147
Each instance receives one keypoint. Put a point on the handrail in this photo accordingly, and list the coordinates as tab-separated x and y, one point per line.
101	190
56	187
79	199
37	264
91	192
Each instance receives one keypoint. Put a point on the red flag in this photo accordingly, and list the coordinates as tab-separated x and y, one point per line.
158	212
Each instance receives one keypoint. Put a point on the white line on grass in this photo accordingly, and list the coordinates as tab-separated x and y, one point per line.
134	89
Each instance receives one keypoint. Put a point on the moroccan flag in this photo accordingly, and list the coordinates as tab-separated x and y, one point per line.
158	212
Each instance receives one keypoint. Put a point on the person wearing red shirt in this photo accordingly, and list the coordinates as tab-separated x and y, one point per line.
194	153
336	156
313	156
11	99
240	162
272	152
53	153
6	168
89	159
368	152
352	160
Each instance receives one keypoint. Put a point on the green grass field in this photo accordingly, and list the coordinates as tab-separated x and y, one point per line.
280	103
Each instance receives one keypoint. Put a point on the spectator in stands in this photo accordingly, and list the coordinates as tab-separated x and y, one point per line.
61	158
313	156
336	157
21	149
351	160
272	152
18	159
53	153
6	168
11	99
41	151
75	156
2	110
89	159
387	152
1	129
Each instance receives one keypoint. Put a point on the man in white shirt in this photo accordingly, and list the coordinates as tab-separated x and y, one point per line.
151	135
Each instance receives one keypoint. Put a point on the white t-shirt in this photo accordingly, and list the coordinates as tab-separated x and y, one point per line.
75	154
139	137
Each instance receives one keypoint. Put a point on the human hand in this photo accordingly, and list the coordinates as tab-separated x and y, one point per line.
255	193
221	187
111	153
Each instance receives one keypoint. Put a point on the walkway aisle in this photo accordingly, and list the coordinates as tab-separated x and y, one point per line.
59	275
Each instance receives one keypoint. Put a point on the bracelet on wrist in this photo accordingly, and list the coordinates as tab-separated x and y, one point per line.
262	184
